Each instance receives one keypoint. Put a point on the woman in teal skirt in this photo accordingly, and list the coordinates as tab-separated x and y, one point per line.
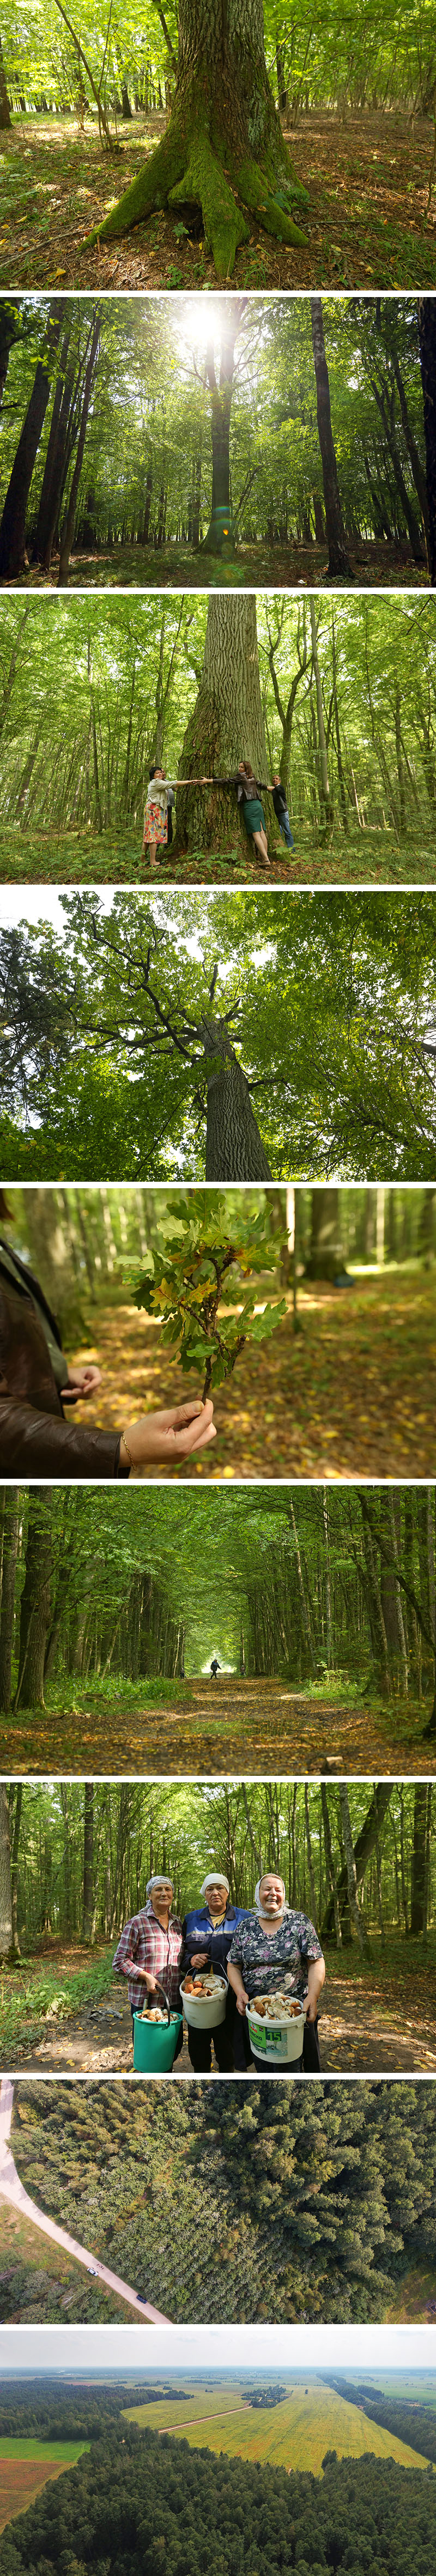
248	790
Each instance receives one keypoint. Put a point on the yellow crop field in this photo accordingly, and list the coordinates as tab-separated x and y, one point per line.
293	2435
172	2414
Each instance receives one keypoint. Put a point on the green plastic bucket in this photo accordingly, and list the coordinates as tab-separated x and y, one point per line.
154	2044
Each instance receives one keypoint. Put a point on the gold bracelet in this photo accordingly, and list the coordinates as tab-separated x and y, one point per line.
127	1450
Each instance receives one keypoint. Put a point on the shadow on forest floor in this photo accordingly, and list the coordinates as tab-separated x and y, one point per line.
115	858
353	1394
205	1729
378	563
367	178
377	2019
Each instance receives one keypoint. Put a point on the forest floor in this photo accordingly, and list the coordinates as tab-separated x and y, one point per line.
375	2019
115	858
366	223
377	563
353	1393
237	1727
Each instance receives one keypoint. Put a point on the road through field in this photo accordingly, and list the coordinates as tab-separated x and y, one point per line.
13	2190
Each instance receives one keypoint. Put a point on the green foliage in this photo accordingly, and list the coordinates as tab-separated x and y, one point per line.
185	1285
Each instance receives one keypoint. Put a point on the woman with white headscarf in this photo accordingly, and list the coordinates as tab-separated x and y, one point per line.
207	1935
278	1948
148	1953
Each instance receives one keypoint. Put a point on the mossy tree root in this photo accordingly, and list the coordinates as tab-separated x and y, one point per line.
179	174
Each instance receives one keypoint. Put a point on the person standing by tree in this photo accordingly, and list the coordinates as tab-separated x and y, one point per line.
159	799
149	1950
207	1937
281	809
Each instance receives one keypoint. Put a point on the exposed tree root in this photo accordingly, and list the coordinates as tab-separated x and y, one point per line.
179	174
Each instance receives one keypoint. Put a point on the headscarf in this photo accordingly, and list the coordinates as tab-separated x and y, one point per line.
266	1873
159	1881
215	1879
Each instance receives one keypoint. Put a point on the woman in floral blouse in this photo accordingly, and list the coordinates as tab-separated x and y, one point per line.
277	1947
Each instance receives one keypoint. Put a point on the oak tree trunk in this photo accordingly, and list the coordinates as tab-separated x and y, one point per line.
234	1149
325	1259
224	150
226	726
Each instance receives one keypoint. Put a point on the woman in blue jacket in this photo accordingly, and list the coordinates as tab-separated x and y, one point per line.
207	1936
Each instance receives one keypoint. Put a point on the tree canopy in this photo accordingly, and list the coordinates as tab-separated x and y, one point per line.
310	1019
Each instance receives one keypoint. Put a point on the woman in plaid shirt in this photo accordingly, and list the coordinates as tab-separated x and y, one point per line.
149	1950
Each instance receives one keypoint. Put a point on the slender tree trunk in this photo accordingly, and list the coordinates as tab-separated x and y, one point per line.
355	1909
68	529
10	1552
224	150
13	522
17	1811
337	544
427	348
5	113
88	1860
6	1932
325	1259
363	1847
35	1601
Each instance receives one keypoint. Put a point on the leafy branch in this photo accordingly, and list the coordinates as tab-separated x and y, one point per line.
185	1283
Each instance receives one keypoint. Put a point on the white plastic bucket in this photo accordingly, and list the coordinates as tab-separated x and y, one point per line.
279	2043
205	2014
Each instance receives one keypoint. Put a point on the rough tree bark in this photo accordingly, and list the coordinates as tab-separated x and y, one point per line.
9	1568
224	150
226	726
13	523
427	350
6	1934
234	1149
338	563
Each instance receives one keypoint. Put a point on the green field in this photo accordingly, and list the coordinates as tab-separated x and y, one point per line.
31	2449
293	2435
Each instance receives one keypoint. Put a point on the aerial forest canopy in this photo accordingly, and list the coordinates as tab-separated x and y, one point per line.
191	683
225	1037
241	440
217	142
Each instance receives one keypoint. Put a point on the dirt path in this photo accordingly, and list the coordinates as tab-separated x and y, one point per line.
233	1726
12	2189
367	2026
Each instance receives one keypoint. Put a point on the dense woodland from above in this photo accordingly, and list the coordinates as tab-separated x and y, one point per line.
135	2497
151	441
79	127
290	2203
225	1037
92	691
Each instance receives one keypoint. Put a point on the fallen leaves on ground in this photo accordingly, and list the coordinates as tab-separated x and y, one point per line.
237	1727
115	858
353	1394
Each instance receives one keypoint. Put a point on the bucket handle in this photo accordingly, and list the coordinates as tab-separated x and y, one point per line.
160	1990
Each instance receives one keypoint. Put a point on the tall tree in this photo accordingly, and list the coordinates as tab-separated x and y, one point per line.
339	563
5	113
427	346
13	522
35	1602
227	725
224	150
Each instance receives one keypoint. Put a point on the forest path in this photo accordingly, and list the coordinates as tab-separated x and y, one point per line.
12	2189
233	1725
372	2024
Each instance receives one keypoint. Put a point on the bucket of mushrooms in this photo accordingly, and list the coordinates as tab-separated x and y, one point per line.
276	2027
155	2035
204	1999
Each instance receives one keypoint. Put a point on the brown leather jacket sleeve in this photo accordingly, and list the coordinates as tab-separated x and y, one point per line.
42	1444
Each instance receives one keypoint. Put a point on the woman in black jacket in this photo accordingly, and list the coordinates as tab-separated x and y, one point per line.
36	1383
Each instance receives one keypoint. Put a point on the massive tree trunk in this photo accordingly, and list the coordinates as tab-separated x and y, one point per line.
337	544
226	726
36	1602
427	348
234	1149
224	149
13	523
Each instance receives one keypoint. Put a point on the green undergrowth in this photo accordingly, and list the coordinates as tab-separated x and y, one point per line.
29	1992
115	857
